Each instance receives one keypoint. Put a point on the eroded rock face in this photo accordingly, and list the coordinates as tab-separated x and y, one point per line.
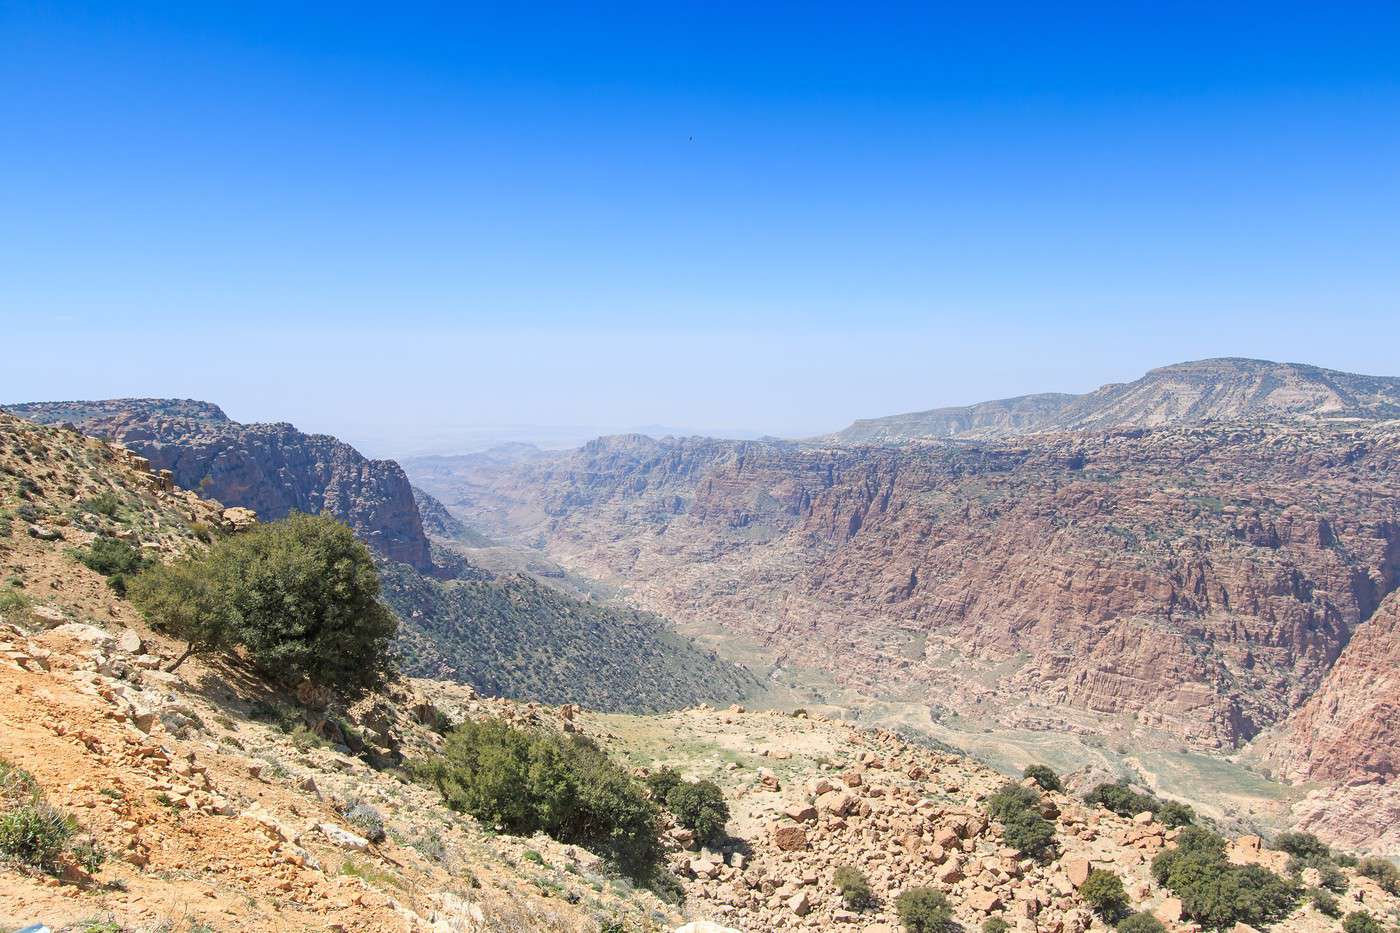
1201	579
272	469
1349	730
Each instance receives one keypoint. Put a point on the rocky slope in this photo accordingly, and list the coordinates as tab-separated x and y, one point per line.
1186	393
270	468
224	804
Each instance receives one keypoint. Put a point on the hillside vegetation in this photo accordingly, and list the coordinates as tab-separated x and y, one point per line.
517	637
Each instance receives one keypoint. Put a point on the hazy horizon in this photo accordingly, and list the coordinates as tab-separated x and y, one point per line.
766	222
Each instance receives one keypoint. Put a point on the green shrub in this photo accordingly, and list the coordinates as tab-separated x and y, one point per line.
17	785
366	819
1029	833
104	503
1010	798
699	806
1382	872
1325	901
1141	922
115	559
995	925
110	556
1302	845
1122	799
1103	891
1359	921
1331	877
90	854
924	910
35	834
536	781
662	781
1045	777
1015	806
1216	893
1174	814
855	889
300	595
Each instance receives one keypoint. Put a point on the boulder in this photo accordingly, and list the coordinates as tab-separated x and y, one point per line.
789	838
343	837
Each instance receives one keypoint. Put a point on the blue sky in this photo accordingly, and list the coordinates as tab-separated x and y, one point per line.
380	221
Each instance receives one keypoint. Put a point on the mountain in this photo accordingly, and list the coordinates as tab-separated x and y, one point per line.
508	634
270	468
1187	586
1228	389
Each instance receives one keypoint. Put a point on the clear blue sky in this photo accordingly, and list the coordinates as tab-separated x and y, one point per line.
370	219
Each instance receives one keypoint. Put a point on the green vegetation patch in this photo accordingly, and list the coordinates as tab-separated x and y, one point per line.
528	781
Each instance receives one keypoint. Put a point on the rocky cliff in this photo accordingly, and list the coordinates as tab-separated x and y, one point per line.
270	468
1185	393
1200	581
1349	729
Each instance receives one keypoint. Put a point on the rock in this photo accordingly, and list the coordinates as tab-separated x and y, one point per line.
984	901
45	533
1169	911
800	904
129	642
1077	870
705	926
1143	818
789	838
47	616
801	813
343	837
88	634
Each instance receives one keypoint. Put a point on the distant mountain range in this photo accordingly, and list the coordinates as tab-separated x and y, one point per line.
1225	389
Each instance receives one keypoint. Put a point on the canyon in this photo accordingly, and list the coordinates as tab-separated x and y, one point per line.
1194	575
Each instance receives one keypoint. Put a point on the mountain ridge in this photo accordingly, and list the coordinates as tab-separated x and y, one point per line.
1218	388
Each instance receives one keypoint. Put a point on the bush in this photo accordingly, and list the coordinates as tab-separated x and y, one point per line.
1331	876
91	855
104	503
1122	799
1045	777
1141	922
1015	806
115	559
1359	921
1302	845
662	781
1216	893
1103	891
1325	901
1011	798
35	834
995	925
924	910
854	888
1174	814
366	819
300	595
536	781
1029	833
699	806
1382	872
